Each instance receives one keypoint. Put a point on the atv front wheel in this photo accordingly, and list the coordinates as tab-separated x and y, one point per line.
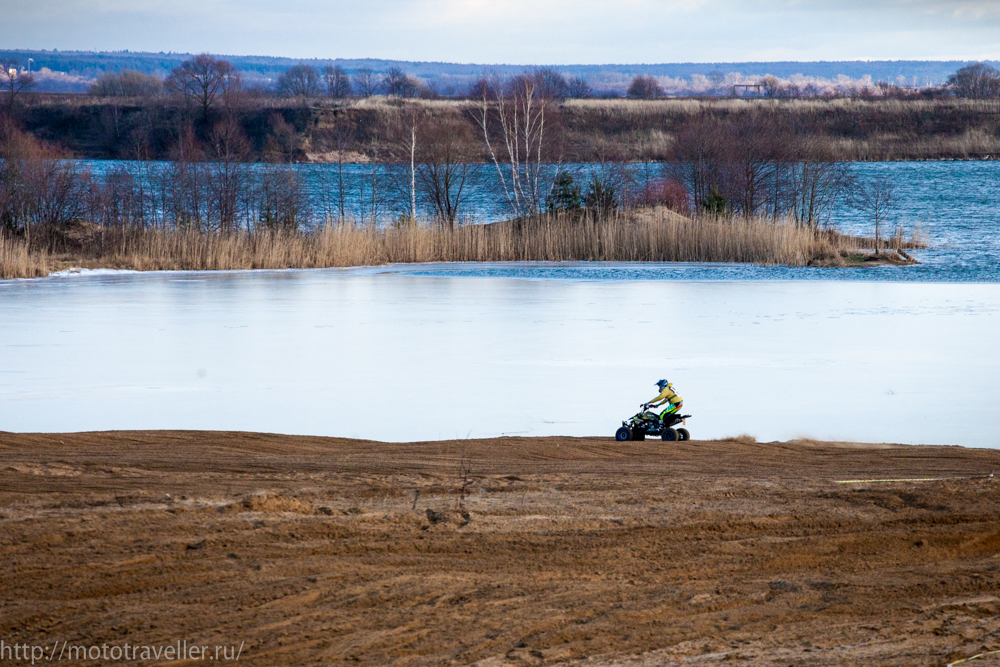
683	434
670	435
623	434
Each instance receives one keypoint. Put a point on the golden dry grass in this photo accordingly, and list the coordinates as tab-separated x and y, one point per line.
16	261
651	235
627	107
696	105
971	144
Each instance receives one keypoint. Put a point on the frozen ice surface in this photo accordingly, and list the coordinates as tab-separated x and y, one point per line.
81	272
419	353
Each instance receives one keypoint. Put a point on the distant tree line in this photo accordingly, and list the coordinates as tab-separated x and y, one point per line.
452	79
977	81
750	164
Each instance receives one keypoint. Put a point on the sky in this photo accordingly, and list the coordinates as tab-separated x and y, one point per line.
518	31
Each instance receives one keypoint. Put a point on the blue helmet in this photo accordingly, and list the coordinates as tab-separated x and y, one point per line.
662	383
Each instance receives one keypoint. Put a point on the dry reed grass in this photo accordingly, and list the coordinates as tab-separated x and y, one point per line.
16	261
690	106
971	144
644	235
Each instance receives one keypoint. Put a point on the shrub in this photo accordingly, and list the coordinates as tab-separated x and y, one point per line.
565	193
667	192
644	87
601	196
127	83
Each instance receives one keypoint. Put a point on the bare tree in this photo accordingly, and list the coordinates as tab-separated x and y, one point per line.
816	184
578	88
716	78
512	117
228	173
770	86
644	87
977	81
338	84
376	151
280	202
378	137
280	199
755	144
203	80
444	169
39	188
234	93
877	197
343	138
698	161
397	83
412	118
14	81
365	82
299	81
402	144
550	84
483	87
184	193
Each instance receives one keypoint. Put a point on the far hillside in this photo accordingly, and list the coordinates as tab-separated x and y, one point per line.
74	71
356	130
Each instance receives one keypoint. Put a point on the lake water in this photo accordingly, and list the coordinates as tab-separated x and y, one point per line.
434	351
901	354
955	205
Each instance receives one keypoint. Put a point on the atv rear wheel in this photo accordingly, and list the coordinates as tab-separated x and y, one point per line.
639	436
670	435
623	434
683	434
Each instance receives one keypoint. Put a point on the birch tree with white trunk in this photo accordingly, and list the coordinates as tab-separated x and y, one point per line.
512	116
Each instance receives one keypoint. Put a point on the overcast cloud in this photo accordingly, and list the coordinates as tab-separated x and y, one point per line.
519	31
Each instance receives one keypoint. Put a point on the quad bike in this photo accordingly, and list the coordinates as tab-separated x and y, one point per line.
647	422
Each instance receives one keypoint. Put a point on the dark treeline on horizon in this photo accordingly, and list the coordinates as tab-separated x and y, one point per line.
80	68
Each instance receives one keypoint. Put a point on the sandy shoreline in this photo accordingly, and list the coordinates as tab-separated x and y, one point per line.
505	551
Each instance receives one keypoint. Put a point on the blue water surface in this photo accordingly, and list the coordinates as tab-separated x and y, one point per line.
954	206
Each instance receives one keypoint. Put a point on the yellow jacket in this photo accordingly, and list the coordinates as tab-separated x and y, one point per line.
668	395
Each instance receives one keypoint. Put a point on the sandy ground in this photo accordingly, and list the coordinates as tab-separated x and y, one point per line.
316	550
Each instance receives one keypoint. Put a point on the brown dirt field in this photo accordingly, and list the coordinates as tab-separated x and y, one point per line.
320	550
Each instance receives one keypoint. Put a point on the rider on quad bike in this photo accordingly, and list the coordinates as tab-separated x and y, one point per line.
666	395
647	422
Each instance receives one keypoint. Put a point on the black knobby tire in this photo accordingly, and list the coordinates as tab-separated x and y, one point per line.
623	434
670	435
683	434
639	437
